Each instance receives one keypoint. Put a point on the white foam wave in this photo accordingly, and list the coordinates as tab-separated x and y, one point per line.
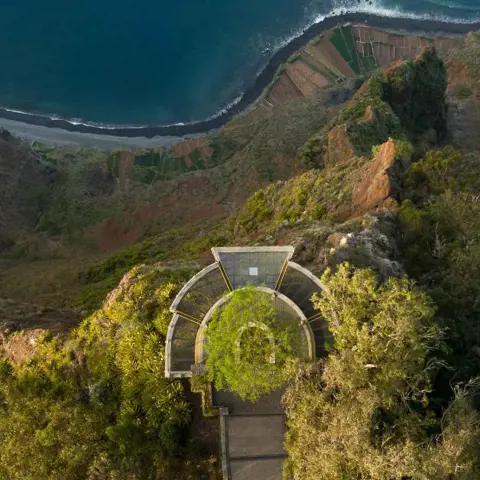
73	121
378	9
341	7
103	126
77	121
225	109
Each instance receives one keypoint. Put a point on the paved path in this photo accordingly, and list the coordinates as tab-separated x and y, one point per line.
254	434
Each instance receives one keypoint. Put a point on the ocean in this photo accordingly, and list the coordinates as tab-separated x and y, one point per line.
160	62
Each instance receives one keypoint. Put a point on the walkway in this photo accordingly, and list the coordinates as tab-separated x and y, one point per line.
253	436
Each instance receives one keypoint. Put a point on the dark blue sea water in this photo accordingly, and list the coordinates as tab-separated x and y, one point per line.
158	61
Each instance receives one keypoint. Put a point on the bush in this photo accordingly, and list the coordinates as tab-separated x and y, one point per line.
310	155
441	248
365	412
99	406
248	345
462	92
255	211
433	173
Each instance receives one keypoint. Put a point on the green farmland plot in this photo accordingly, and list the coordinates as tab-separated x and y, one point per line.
160	165
343	40
367	58
151	166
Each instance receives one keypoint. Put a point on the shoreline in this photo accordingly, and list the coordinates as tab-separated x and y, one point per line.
169	134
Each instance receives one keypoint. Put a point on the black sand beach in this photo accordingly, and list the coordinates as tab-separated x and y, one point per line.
252	92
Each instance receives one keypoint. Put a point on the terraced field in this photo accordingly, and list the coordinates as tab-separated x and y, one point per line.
336	55
150	166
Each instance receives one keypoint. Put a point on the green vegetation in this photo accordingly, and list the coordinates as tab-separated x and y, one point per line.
367	58
80	195
224	147
405	103
440	243
368	411
462	92
469	55
273	143
99	406
201	384
255	211
397	395
313	196
310	155
159	164
370	120
434	173
416	93
100	277
151	166
344	42
249	344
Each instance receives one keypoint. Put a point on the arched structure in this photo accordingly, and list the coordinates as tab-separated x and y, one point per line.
282	304
271	270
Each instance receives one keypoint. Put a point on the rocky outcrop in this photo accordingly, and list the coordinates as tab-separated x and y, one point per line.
372	247
365	242
416	93
339	147
23	324
406	100
21	346
378	181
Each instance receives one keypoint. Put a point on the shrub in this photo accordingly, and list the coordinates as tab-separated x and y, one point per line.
100	407
255	211
462	92
365	411
433	173
310	154
248	345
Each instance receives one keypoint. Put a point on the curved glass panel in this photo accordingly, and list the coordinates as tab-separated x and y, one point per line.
183	345
203	294
300	288
322	335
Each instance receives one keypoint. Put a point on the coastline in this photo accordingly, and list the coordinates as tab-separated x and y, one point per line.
59	131
52	135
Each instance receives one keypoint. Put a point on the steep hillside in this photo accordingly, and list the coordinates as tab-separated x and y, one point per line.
22	174
98	203
356	171
98	406
90	213
334	56
463	70
363	151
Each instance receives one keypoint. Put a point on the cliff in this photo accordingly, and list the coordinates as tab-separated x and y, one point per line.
357	171
22	172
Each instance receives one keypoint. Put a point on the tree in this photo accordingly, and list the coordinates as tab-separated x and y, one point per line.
98	406
365	412
439	242
249	344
